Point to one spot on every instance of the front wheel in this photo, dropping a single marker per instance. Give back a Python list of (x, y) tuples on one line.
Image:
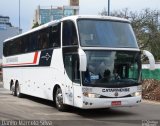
[(17, 90), (59, 100)]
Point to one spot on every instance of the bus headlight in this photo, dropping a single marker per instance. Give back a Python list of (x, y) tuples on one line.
[(135, 94), (91, 95)]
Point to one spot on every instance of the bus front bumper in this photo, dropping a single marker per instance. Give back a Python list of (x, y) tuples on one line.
[(91, 103)]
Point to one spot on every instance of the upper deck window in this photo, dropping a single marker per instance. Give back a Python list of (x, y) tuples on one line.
[(69, 34), (49, 37), (105, 33)]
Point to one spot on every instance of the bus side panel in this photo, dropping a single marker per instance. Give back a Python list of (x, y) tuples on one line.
[(12, 67), (58, 69), (37, 80), (11, 74), (7, 77), (40, 81), (78, 97)]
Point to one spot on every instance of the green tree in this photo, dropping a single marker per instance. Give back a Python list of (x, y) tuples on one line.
[(35, 25)]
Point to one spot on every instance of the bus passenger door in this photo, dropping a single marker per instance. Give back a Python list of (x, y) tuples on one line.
[(72, 75), (68, 94), (71, 62), (77, 89)]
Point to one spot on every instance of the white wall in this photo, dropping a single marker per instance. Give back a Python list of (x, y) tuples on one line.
[(147, 66)]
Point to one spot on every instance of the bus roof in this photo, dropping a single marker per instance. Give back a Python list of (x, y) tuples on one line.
[(74, 17)]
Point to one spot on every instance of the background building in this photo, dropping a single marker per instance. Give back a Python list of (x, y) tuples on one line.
[(49, 13), (6, 31)]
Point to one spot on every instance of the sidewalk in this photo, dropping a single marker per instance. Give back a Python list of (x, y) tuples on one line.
[(1, 84)]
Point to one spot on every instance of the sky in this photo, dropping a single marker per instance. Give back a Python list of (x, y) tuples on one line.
[(11, 8)]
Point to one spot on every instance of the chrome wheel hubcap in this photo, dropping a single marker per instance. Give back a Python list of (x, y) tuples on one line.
[(59, 98)]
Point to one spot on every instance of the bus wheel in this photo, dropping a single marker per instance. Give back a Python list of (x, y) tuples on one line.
[(12, 88), (59, 100), (17, 90)]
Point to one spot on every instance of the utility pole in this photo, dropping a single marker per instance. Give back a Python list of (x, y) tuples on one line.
[(108, 7), (19, 17)]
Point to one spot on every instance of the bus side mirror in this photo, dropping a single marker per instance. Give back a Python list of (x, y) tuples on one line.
[(82, 60), (151, 59)]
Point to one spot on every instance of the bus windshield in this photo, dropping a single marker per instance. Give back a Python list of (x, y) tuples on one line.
[(105, 33), (112, 68)]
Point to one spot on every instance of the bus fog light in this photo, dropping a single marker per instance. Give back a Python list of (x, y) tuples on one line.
[(91, 95), (135, 94)]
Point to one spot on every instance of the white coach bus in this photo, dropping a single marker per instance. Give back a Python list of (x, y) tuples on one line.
[(82, 61)]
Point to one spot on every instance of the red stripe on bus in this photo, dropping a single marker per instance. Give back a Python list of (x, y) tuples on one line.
[(34, 61), (35, 58)]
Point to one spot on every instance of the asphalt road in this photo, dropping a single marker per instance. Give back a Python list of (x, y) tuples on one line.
[(31, 108)]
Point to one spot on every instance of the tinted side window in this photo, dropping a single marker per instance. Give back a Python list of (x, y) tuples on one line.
[(38, 40), (69, 34), (33, 42), (71, 64), (43, 39), (25, 44), (14, 46), (17, 46), (55, 35), (6, 49)]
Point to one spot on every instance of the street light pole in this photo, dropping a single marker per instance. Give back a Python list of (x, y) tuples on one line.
[(19, 18), (108, 7)]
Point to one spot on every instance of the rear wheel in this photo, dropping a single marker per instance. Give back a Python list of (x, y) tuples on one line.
[(17, 90), (59, 100), (12, 88)]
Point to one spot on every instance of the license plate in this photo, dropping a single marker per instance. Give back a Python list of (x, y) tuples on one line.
[(116, 103)]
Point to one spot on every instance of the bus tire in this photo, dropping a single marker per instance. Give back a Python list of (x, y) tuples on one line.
[(17, 90), (12, 88), (59, 100)]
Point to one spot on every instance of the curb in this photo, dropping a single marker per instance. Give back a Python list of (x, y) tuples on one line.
[(150, 102)]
